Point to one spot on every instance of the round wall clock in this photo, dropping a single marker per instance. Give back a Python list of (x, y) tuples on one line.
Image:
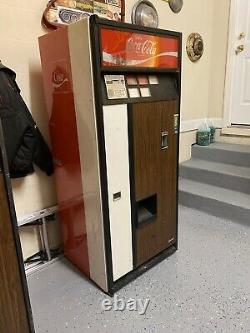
[(195, 47), (145, 14)]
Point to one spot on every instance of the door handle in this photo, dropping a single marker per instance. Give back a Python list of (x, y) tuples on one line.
[(240, 49), (164, 140)]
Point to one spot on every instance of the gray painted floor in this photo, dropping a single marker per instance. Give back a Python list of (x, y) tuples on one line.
[(204, 287)]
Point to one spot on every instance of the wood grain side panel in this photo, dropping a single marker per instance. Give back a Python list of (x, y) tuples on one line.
[(13, 316), (155, 173)]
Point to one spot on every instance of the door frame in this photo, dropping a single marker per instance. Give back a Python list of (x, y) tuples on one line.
[(14, 228), (229, 65)]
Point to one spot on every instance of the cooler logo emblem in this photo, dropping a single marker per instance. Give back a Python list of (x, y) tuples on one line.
[(141, 47), (59, 78)]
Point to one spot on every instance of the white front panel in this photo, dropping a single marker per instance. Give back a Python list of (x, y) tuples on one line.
[(117, 159), (240, 103)]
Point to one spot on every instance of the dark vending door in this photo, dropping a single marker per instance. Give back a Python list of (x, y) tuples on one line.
[(155, 163)]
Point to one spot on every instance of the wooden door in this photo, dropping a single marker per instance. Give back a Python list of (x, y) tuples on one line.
[(155, 163), (15, 311)]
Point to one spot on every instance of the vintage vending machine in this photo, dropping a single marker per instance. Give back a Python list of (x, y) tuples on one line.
[(113, 98)]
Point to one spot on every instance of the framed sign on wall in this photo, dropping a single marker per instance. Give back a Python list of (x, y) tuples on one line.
[(63, 12)]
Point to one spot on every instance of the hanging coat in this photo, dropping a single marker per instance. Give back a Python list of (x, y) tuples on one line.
[(23, 140)]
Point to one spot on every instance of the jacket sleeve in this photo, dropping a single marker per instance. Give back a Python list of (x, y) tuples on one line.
[(24, 142), (16, 133), (22, 163), (42, 156)]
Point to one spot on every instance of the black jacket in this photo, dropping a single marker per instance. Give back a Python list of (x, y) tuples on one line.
[(23, 140)]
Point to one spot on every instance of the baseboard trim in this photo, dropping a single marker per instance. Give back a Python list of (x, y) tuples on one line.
[(236, 131), (193, 125)]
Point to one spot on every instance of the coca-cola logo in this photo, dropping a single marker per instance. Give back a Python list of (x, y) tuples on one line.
[(59, 77), (141, 46)]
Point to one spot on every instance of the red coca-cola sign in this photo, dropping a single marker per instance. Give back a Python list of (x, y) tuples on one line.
[(133, 49)]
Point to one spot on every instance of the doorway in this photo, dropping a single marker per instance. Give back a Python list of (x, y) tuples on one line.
[(237, 94)]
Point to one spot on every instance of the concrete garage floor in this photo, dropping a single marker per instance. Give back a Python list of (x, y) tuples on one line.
[(204, 287)]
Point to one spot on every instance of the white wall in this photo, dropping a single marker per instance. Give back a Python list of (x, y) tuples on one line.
[(219, 42), (20, 26)]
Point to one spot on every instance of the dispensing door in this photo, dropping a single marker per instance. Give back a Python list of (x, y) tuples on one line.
[(155, 163)]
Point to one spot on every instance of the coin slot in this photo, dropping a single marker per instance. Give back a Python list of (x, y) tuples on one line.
[(117, 196)]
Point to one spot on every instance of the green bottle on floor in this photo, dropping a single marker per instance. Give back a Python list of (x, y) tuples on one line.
[(203, 135)]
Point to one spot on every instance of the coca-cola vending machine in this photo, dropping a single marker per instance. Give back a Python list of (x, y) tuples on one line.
[(113, 99)]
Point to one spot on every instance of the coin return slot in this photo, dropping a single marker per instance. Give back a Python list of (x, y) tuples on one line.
[(117, 196)]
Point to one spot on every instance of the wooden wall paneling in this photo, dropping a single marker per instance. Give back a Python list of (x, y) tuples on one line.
[(15, 310)]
